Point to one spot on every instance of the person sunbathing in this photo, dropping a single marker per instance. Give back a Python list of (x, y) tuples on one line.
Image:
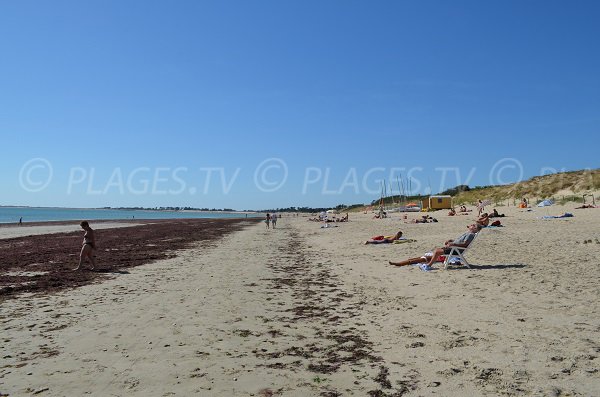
[(343, 218), (463, 241), (495, 214), (423, 219), (380, 215), (565, 215), (384, 239), (483, 220), (585, 206), (452, 212), (524, 203)]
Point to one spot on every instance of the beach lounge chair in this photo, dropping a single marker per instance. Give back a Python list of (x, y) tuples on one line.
[(459, 252)]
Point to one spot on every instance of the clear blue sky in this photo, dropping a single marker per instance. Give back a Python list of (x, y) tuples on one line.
[(261, 104)]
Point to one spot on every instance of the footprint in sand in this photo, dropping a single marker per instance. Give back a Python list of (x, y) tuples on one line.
[(132, 383)]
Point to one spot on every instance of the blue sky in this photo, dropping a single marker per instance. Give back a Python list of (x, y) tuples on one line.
[(264, 104)]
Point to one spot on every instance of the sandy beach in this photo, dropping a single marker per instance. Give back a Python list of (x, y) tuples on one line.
[(302, 310)]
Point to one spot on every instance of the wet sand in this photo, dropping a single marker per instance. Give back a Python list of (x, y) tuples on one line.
[(35, 228)]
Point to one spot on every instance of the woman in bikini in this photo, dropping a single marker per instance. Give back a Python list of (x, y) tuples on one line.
[(384, 239), (89, 245)]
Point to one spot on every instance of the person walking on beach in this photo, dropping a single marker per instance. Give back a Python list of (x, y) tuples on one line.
[(480, 206), (274, 219), (21, 221), (268, 220), (89, 245)]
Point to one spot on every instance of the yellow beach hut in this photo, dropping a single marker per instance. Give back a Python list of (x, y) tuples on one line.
[(438, 202)]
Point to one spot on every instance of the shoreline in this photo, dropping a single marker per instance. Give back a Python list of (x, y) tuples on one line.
[(53, 227), (122, 209), (104, 214), (66, 221)]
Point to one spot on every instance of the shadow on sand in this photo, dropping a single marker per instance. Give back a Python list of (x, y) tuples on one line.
[(492, 267)]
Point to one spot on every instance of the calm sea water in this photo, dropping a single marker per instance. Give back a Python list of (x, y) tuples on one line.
[(31, 214)]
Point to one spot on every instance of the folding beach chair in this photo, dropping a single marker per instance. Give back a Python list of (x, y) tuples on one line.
[(459, 252)]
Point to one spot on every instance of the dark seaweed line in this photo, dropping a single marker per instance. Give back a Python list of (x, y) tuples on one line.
[(318, 300)]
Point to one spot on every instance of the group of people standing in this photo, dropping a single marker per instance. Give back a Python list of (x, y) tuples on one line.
[(271, 220)]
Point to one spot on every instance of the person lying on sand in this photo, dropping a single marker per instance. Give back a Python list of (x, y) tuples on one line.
[(585, 206), (495, 214), (423, 219), (565, 215), (462, 241), (384, 239)]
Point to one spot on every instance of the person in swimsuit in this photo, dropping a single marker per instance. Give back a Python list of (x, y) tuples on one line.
[(480, 207), (463, 241), (495, 214), (483, 220), (384, 239), (88, 247)]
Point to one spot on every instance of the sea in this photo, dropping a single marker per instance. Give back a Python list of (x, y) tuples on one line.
[(43, 214)]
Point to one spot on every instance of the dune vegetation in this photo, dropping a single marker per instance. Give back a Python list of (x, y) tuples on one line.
[(564, 186), (561, 187)]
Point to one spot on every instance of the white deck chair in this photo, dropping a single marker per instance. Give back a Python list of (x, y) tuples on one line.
[(459, 252)]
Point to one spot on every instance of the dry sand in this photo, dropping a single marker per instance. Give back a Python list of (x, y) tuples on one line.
[(306, 311)]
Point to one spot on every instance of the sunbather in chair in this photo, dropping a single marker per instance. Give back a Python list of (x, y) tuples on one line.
[(452, 248), (458, 251)]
